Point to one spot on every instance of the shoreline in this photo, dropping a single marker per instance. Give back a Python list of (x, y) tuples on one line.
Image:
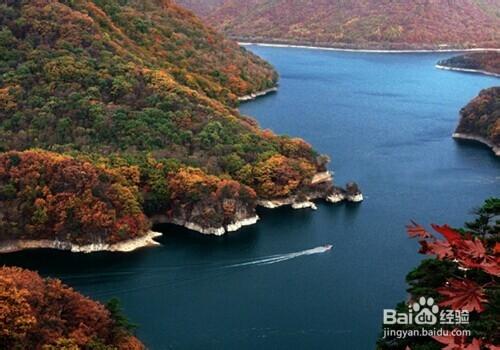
[(216, 231), (126, 246), (460, 136), (257, 94), (332, 48), (467, 70)]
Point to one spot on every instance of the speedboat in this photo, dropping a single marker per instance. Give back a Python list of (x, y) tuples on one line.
[(328, 246)]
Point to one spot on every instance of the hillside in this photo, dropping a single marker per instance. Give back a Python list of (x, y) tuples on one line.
[(370, 24), (480, 119), (140, 97), (201, 7), (47, 196), (481, 62), (42, 313)]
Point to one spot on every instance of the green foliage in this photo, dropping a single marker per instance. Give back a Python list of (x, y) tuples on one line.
[(121, 322), (145, 84), (8, 192), (487, 219)]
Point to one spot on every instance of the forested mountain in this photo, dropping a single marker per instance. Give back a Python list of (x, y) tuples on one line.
[(386, 24), (201, 7), (39, 313), (141, 95)]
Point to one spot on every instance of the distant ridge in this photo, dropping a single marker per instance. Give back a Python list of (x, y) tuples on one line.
[(365, 24)]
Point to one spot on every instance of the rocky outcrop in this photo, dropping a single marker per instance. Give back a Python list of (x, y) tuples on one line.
[(235, 225), (231, 214), (336, 196), (480, 120), (321, 187), (353, 193), (210, 217), (147, 240), (255, 95), (303, 205)]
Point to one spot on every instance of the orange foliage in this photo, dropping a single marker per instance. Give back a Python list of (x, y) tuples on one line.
[(39, 313), (205, 199), (46, 195), (362, 23), (277, 176)]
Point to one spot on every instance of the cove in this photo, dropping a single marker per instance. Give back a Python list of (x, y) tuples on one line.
[(386, 121)]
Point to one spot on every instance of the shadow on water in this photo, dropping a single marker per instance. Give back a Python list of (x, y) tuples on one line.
[(467, 145)]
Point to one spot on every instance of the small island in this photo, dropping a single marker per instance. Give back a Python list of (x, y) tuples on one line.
[(480, 120), (487, 62)]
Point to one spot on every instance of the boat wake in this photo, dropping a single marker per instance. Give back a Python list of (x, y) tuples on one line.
[(206, 268), (282, 257)]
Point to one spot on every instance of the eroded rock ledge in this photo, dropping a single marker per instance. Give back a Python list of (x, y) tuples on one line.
[(322, 188), (217, 231), (203, 217), (254, 95), (194, 217), (125, 246)]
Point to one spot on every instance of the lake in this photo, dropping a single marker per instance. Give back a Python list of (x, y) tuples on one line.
[(386, 120)]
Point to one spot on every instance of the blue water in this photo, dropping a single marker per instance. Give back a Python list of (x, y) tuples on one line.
[(386, 121)]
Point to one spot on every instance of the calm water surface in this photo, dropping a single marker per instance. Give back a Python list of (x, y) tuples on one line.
[(386, 121)]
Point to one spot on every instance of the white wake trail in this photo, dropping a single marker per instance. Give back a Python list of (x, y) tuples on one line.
[(282, 257), (272, 259)]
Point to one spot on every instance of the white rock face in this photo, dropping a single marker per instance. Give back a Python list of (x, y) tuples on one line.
[(335, 198), (239, 224), (494, 148), (355, 198), (322, 177), (302, 205), (218, 231), (468, 70), (256, 94), (125, 246), (271, 204)]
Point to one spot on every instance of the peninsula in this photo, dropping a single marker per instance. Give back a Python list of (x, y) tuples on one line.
[(487, 63), (116, 115), (480, 120)]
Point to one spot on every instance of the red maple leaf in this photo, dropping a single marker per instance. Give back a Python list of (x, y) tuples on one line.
[(474, 248), (441, 249), (450, 234), (496, 249), (470, 253), (458, 343), (491, 265), (463, 295), (415, 230)]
